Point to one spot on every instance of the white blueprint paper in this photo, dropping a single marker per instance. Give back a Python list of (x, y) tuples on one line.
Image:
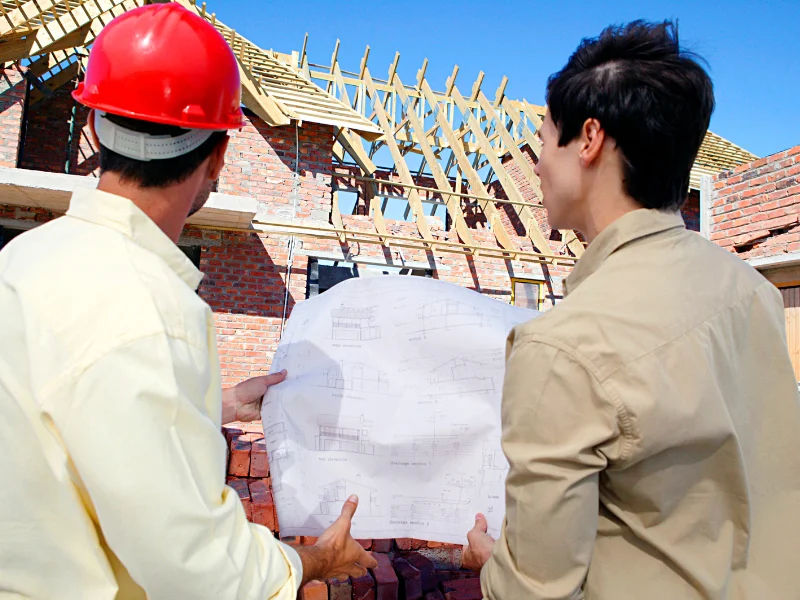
[(393, 394)]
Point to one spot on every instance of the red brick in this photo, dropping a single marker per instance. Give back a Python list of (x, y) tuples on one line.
[(462, 585), (240, 456), (363, 588), (382, 545), (259, 465), (425, 568), (410, 579), (314, 590), (339, 589), (467, 595), (409, 543), (366, 544), (263, 504), (387, 585), (241, 488)]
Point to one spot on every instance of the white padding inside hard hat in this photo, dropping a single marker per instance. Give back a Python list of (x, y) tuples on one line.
[(143, 146)]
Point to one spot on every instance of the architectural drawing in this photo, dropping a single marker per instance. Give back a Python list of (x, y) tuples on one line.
[(356, 377), (452, 504), (357, 324), (420, 447), (333, 496), (338, 433), (446, 314), (276, 441), (460, 376), (398, 401)]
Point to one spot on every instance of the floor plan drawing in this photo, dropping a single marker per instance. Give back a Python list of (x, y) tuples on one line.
[(356, 324), (356, 377), (338, 433), (394, 394)]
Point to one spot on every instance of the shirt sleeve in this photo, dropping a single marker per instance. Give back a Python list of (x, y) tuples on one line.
[(136, 426), (558, 429)]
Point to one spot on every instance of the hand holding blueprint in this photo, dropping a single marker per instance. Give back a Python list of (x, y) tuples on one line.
[(393, 394)]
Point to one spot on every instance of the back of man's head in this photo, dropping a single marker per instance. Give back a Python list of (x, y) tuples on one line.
[(164, 85), (654, 100), (158, 173)]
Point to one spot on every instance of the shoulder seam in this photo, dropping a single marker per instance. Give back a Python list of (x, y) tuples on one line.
[(624, 418)]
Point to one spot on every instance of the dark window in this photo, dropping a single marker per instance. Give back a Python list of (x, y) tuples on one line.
[(323, 274), (193, 252), (7, 234)]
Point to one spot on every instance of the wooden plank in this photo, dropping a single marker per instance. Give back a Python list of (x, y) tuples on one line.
[(400, 163), (50, 36), (24, 13), (55, 82), (356, 150), (535, 234), (453, 203), (15, 46), (489, 209)]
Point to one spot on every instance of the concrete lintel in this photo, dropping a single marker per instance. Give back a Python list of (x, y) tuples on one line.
[(52, 191), (780, 260), (378, 261)]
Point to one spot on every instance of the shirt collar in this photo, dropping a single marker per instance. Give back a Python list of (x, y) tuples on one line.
[(630, 227), (122, 215)]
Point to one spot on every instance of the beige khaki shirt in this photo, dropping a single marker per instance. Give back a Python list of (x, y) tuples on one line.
[(112, 464), (652, 425)]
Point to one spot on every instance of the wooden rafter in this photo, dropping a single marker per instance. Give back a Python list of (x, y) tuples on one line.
[(535, 234), (414, 200), (474, 180), (453, 203)]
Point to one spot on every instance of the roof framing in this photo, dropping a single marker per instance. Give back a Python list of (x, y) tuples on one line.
[(447, 148)]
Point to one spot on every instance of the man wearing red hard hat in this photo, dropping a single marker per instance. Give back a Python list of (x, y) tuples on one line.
[(111, 457)]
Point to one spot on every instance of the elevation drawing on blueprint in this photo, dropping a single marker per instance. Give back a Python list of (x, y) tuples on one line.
[(393, 393)]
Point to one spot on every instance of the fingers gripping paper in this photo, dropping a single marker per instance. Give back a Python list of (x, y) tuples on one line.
[(393, 394)]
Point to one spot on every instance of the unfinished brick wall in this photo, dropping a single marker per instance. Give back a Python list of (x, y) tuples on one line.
[(756, 207), (260, 163), (13, 93), (47, 139)]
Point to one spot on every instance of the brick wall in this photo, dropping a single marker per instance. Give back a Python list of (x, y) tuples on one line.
[(47, 142), (756, 207), (13, 92), (260, 163)]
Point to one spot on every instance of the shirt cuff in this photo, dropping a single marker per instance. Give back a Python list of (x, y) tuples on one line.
[(295, 564)]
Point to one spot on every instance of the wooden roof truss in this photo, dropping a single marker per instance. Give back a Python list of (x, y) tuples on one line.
[(459, 142)]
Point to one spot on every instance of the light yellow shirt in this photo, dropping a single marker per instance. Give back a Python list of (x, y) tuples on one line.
[(652, 425), (111, 458)]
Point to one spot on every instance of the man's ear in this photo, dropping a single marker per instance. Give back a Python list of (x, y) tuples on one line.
[(95, 139), (592, 138), (217, 159)]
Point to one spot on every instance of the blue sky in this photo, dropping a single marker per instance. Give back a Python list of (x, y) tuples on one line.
[(752, 47)]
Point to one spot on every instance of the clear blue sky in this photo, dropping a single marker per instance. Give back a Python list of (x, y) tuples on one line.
[(752, 47)]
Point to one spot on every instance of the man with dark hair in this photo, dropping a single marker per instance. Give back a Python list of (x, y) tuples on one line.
[(111, 455), (651, 420)]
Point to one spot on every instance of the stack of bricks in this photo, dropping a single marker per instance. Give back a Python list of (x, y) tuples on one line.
[(248, 472), (399, 576), (408, 569)]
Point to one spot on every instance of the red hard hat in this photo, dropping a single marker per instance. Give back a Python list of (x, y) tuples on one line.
[(164, 64)]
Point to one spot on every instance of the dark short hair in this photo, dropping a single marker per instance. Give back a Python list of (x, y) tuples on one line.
[(156, 173), (654, 100)]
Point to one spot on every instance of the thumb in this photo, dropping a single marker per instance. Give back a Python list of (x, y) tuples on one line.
[(480, 523), (349, 508), (274, 378)]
